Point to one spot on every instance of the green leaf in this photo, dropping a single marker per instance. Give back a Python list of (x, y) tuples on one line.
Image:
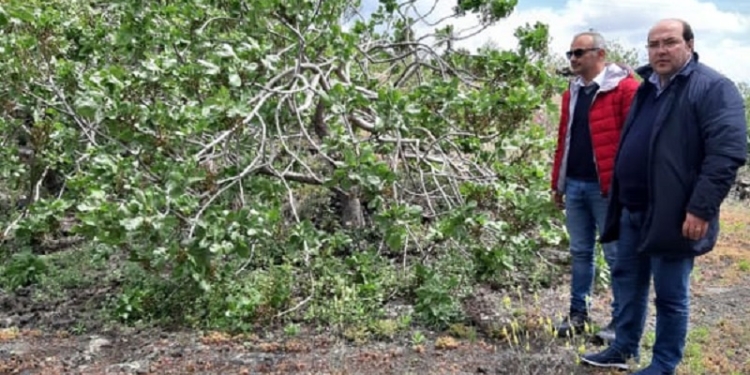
[(225, 50), (211, 68), (3, 17), (132, 224), (22, 14), (235, 80)]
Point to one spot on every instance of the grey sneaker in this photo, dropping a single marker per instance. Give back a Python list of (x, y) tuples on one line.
[(607, 334)]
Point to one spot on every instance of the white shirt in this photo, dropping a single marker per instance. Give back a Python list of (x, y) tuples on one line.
[(598, 80)]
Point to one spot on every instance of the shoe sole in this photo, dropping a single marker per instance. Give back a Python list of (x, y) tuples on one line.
[(619, 366)]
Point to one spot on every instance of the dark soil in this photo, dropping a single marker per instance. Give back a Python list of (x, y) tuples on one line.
[(154, 352), (76, 308)]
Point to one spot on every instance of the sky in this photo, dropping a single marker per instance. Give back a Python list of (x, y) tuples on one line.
[(721, 27)]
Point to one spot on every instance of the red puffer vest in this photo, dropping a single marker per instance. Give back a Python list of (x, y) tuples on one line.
[(606, 119)]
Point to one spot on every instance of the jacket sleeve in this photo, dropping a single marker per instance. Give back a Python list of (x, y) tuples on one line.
[(629, 88), (557, 158), (724, 130)]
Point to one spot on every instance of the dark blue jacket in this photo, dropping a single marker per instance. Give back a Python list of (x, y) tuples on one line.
[(699, 141)]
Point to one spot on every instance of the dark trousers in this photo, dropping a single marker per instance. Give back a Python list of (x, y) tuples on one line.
[(632, 278)]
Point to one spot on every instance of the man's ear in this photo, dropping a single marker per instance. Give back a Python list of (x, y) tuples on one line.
[(691, 44)]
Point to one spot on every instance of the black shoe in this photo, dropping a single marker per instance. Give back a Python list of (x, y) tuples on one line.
[(574, 324), (610, 358), (607, 334)]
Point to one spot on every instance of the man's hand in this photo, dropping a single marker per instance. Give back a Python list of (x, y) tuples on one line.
[(694, 227), (557, 199)]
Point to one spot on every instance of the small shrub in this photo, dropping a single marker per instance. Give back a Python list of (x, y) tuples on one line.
[(23, 269)]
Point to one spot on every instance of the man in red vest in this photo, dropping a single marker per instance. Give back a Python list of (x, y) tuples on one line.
[(594, 109)]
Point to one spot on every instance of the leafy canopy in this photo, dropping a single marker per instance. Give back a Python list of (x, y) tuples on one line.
[(208, 139)]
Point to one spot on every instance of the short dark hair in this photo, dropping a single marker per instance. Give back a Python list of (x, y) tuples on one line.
[(687, 31)]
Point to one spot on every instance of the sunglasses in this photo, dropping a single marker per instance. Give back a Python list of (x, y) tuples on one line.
[(578, 52)]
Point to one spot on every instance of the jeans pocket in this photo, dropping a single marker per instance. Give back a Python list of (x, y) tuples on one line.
[(634, 219)]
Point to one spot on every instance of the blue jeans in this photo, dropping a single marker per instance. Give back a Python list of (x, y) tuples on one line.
[(585, 213), (632, 275)]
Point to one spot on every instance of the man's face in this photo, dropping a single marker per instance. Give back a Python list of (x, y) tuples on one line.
[(583, 57), (667, 50)]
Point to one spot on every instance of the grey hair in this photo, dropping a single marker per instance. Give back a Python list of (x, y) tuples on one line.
[(598, 39)]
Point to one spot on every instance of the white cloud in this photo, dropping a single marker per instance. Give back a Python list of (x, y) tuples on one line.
[(722, 37)]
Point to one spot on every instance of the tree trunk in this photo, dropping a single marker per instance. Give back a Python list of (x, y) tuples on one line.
[(351, 211), (349, 204)]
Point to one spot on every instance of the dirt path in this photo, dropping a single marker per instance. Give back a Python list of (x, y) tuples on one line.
[(717, 344)]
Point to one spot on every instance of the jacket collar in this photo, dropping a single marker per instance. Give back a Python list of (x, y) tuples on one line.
[(608, 79)]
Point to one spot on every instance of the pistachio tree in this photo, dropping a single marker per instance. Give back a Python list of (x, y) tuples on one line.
[(319, 153)]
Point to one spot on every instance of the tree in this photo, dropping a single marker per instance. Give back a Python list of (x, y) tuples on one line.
[(209, 139), (618, 53)]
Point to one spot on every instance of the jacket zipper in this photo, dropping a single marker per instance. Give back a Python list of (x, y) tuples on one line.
[(591, 137), (661, 116)]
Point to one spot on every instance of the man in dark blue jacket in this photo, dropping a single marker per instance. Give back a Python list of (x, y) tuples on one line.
[(683, 141)]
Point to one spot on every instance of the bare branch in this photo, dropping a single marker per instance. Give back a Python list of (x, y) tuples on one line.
[(205, 24), (290, 176), (362, 124)]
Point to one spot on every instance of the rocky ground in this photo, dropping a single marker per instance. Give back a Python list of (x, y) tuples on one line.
[(63, 338)]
